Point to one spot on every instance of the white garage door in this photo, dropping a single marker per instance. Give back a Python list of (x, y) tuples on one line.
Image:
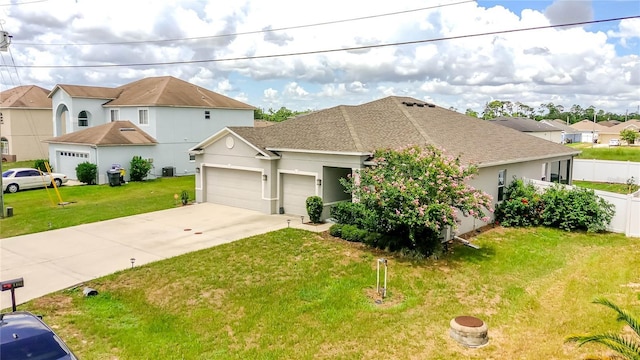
[(68, 160), (237, 188), (295, 191)]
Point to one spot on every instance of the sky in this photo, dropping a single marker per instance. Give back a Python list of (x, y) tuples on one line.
[(306, 55)]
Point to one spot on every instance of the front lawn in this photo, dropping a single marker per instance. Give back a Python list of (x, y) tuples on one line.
[(619, 153), (293, 294), (38, 210)]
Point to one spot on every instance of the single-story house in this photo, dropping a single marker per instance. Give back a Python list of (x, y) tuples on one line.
[(613, 132), (274, 169), (531, 127), (25, 120), (174, 115), (590, 130), (569, 134)]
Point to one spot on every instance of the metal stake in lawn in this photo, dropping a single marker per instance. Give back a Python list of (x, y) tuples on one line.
[(382, 291)]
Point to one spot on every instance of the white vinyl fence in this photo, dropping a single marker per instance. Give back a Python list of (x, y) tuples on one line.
[(627, 217), (606, 170)]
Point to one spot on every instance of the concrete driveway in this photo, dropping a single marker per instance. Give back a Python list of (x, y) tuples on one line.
[(58, 259)]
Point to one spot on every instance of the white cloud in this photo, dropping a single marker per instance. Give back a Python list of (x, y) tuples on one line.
[(568, 65)]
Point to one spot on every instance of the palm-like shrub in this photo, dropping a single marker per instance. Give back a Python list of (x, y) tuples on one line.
[(628, 347)]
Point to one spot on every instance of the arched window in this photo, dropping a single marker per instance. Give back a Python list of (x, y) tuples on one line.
[(83, 118)]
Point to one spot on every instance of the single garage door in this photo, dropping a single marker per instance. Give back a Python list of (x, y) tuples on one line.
[(295, 191), (68, 160), (237, 188)]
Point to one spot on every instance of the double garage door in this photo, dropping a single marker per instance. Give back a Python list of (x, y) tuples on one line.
[(237, 188), (243, 189)]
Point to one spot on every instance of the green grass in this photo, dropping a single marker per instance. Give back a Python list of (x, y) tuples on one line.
[(611, 187), (38, 210), (293, 294), (619, 153)]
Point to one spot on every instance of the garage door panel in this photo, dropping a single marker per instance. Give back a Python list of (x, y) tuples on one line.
[(295, 191), (237, 188)]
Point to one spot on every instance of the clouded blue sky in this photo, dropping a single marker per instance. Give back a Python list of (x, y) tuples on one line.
[(237, 47)]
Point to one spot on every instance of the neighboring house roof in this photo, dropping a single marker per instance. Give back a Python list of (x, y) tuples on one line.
[(588, 125), (630, 124), (155, 91), (609, 123), (170, 91), (524, 124), (397, 122), (115, 133), (87, 92), (27, 96), (561, 125)]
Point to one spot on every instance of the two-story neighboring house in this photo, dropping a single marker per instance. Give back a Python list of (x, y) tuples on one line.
[(158, 118), (25, 120)]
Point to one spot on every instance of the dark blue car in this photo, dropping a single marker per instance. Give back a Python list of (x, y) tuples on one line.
[(24, 336)]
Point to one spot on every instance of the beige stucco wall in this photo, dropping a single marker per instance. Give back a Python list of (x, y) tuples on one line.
[(25, 129)]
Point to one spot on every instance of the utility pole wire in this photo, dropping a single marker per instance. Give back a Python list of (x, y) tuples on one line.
[(324, 51), (266, 30)]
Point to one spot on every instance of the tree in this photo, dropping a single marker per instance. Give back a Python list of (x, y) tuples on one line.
[(629, 135), (414, 193), (279, 115), (471, 112), (627, 346)]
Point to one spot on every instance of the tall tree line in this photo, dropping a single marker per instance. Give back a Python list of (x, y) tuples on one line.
[(551, 111)]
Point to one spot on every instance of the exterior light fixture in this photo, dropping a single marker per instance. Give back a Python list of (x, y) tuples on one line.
[(319, 182), (197, 170), (264, 177)]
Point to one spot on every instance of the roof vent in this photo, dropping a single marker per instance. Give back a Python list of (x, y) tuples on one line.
[(431, 105), (127, 129)]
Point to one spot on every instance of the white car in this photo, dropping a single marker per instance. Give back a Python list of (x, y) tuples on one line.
[(17, 179)]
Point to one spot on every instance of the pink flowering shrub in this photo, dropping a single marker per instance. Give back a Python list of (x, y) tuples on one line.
[(414, 193)]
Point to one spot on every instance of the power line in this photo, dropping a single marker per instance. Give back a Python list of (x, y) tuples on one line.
[(255, 31), (327, 50)]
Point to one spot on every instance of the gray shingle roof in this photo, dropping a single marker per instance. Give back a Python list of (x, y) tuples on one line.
[(524, 124), (391, 123), (114, 133)]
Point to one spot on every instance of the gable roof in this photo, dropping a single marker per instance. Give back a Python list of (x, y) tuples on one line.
[(588, 125), (155, 91), (629, 124), (396, 122), (561, 125), (115, 133), (27, 96), (87, 92), (524, 124), (170, 91)]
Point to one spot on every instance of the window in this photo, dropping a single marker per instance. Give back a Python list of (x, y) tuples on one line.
[(143, 116), (83, 118), (502, 175), (4, 146), (207, 114), (192, 157), (115, 115)]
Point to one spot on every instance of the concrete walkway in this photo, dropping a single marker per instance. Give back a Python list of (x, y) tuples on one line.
[(55, 260)]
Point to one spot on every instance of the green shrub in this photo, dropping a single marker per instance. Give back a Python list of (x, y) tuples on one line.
[(184, 197), (40, 164), (314, 208), (336, 230), (351, 213), (522, 206), (87, 173), (353, 234), (576, 209), (139, 168), (564, 208)]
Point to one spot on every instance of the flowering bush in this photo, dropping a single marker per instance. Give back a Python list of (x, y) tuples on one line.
[(412, 195), (567, 209)]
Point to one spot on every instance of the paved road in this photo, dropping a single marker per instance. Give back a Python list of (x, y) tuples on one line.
[(58, 259)]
